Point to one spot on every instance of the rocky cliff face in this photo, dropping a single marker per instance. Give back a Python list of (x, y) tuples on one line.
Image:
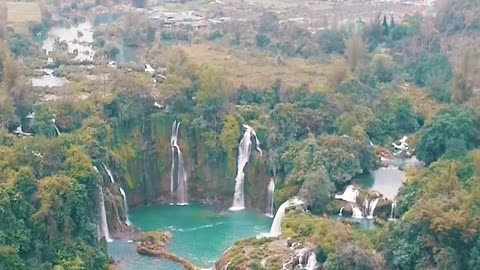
[(141, 157)]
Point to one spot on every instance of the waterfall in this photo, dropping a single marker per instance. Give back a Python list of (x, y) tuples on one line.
[(55, 127), (110, 175), (270, 198), (125, 206), (312, 261), (365, 207), (173, 139), (103, 217), (372, 206), (124, 195), (350, 194), (340, 213), (392, 212), (300, 261), (276, 229), (244, 149), (181, 183), (356, 212)]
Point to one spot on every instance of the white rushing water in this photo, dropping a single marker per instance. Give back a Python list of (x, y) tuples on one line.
[(20, 132), (356, 212), (312, 261), (173, 139), (244, 150), (125, 206), (55, 127), (340, 213), (276, 229), (79, 40), (103, 217), (371, 208), (110, 175), (392, 212), (178, 171), (350, 194), (124, 195), (270, 198), (365, 207)]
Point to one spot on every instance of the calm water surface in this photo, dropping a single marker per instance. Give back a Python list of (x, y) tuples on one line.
[(200, 235)]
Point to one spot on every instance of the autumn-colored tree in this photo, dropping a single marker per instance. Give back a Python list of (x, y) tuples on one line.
[(355, 51)]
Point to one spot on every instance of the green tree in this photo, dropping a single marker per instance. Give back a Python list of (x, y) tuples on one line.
[(331, 42), (10, 259), (316, 190), (355, 51), (404, 117), (262, 41), (431, 65), (456, 122), (229, 136), (383, 67)]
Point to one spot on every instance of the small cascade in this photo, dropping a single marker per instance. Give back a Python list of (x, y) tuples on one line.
[(99, 233), (125, 206), (181, 175), (300, 261), (392, 212), (276, 229), (270, 198), (103, 217), (173, 141), (244, 149), (20, 132), (312, 261), (55, 127), (350, 194), (372, 206), (124, 195), (340, 213), (110, 175), (365, 207), (356, 212)]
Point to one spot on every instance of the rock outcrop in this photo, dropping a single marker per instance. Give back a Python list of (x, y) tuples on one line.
[(154, 244)]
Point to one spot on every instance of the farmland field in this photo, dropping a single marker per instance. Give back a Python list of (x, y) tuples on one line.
[(19, 12)]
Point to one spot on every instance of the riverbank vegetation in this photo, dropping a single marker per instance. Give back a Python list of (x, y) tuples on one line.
[(317, 102)]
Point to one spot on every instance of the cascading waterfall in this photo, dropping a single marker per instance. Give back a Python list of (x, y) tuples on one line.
[(350, 194), (55, 127), (372, 206), (356, 212), (125, 206), (392, 212), (244, 149), (270, 198), (172, 171), (181, 183), (300, 261), (124, 195), (340, 213), (110, 175), (276, 229), (312, 261), (103, 217), (365, 207)]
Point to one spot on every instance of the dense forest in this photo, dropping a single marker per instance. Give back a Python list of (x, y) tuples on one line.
[(379, 81)]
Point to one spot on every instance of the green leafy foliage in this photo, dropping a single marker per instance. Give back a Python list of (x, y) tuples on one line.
[(440, 224), (454, 123)]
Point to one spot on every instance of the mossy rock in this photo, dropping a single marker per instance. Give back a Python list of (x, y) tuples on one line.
[(156, 239)]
